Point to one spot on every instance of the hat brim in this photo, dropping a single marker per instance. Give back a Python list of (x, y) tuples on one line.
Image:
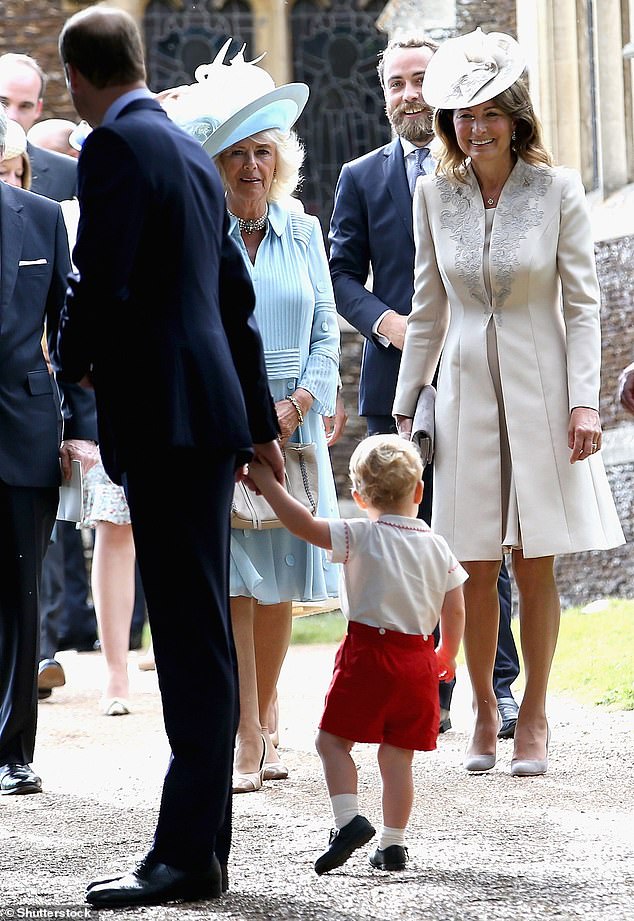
[(278, 109), (448, 84)]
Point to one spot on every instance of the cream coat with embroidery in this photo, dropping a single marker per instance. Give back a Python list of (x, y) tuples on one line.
[(545, 306)]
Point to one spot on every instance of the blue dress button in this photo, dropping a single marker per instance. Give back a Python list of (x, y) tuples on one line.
[(289, 559), (324, 326), (290, 387)]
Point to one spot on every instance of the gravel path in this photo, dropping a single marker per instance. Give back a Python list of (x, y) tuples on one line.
[(482, 848)]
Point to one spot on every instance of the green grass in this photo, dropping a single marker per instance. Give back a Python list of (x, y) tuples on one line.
[(594, 661), (595, 655), (318, 628)]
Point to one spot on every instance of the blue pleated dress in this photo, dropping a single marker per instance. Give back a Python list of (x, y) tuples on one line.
[(295, 311)]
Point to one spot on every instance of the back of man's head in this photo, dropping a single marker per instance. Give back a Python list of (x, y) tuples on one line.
[(53, 134), (104, 45)]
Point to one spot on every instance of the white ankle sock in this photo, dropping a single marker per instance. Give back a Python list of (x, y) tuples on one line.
[(390, 836), (345, 806)]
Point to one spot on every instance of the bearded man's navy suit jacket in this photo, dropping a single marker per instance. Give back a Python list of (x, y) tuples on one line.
[(161, 317), (372, 227)]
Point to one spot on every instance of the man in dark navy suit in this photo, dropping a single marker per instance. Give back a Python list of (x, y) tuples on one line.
[(160, 317), (62, 599), (34, 263), (371, 231)]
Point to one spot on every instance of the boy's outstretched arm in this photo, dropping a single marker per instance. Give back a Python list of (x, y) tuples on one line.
[(451, 630), (291, 513)]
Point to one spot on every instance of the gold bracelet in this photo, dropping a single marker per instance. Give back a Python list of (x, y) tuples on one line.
[(298, 409)]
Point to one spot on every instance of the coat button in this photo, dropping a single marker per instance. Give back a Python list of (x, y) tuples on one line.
[(324, 326), (289, 559), (382, 631)]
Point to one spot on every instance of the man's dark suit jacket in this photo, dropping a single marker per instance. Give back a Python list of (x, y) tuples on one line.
[(53, 175), (371, 226), (34, 265), (175, 354)]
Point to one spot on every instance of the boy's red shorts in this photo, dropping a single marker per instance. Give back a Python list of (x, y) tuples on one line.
[(384, 689)]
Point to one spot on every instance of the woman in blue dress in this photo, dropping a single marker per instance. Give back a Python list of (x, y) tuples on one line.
[(259, 158)]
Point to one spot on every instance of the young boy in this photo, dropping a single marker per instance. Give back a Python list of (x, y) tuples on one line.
[(399, 579)]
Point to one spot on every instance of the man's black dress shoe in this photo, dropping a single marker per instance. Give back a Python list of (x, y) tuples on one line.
[(445, 721), (393, 857), (343, 842), (508, 710), (50, 674), (43, 693), (19, 778), (153, 883)]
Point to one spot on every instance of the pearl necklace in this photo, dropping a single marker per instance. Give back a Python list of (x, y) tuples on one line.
[(251, 225)]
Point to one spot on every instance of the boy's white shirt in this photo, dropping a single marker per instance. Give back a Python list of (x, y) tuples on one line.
[(396, 572)]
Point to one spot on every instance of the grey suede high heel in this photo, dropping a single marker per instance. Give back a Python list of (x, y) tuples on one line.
[(479, 764), (531, 767)]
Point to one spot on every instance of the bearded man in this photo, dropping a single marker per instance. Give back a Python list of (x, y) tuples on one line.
[(371, 235)]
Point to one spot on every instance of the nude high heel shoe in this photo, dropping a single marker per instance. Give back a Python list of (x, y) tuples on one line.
[(250, 783), (531, 767), (478, 764)]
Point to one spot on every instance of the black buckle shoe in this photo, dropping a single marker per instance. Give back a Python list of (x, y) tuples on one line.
[(508, 710), (343, 842), (394, 857)]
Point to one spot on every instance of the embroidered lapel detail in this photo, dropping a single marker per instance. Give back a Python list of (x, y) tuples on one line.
[(464, 219), (519, 210)]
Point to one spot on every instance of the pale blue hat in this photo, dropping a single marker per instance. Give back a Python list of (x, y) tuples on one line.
[(231, 102)]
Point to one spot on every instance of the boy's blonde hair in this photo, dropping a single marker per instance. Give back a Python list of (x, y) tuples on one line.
[(385, 469)]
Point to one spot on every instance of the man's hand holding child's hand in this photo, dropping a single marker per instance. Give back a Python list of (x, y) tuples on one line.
[(261, 475)]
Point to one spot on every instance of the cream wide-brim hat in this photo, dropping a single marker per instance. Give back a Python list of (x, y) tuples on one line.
[(15, 141), (231, 102), (471, 69)]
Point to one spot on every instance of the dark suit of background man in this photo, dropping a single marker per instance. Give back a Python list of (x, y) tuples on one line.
[(160, 315), (34, 263), (371, 230)]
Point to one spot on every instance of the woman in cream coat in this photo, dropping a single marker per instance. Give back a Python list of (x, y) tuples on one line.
[(506, 289)]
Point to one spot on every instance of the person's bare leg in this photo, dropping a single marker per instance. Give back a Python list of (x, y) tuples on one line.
[(272, 633), (539, 627), (395, 765), (249, 737), (273, 720), (340, 771), (482, 608), (112, 582)]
